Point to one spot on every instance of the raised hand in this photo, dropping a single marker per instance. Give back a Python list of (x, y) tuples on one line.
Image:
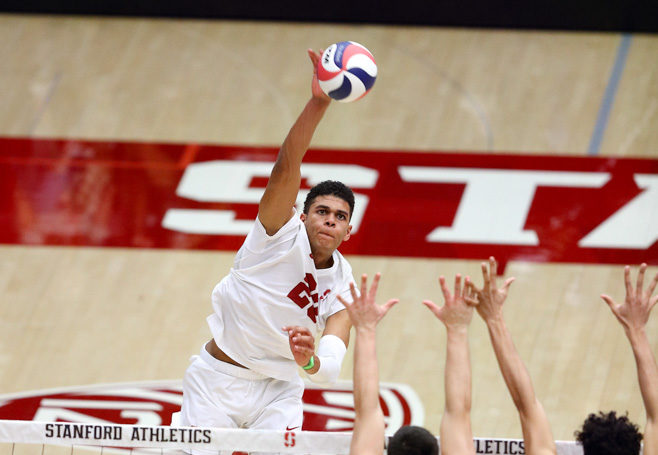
[(456, 314), (490, 298), (633, 314), (302, 344), (315, 85), (457, 311), (363, 310), (368, 436)]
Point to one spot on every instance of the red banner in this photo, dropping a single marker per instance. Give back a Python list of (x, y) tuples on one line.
[(439, 205)]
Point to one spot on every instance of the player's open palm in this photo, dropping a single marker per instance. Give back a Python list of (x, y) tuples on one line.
[(490, 298), (363, 310), (634, 312), (457, 311)]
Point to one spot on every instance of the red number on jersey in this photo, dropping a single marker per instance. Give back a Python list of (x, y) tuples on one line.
[(304, 293)]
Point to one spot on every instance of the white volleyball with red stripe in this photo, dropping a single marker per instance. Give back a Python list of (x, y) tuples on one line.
[(346, 71)]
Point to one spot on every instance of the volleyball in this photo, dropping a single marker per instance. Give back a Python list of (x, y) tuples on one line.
[(346, 71)]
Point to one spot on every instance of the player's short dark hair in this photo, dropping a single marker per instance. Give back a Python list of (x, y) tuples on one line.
[(609, 434), (330, 188), (412, 440)]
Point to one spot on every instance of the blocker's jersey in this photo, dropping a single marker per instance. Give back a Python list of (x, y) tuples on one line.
[(274, 283)]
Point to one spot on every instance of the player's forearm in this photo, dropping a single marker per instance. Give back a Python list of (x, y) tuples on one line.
[(283, 185), (511, 366), (299, 137), (328, 360), (458, 372), (647, 371), (366, 374)]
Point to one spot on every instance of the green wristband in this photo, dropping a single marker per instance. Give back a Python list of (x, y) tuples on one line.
[(310, 364)]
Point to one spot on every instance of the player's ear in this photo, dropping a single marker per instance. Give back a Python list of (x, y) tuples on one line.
[(302, 217), (348, 235)]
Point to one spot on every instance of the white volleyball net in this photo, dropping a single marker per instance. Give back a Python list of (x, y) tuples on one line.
[(59, 438)]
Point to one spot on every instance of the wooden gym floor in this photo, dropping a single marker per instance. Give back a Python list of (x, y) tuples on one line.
[(76, 316)]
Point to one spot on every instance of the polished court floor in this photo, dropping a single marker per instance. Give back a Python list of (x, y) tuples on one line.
[(84, 315)]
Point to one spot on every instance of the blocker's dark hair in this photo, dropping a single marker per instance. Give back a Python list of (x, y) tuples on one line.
[(330, 188), (412, 440), (609, 434)]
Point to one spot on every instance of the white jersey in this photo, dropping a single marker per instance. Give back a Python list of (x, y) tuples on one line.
[(274, 283)]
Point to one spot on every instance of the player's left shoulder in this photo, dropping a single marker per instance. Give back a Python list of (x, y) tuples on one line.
[(342, 264)]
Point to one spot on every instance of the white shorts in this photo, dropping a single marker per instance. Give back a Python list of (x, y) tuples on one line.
[(218, 394)]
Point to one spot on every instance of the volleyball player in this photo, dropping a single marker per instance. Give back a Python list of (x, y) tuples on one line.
[(280, 292), (368, 435), (456, 435), (608, 433), (537, 434), (602, 433), (456, 314)]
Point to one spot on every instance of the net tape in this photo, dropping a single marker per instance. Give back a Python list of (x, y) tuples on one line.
[(215, 439)]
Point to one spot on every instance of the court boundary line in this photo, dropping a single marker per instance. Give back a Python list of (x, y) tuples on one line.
[(609, 95)]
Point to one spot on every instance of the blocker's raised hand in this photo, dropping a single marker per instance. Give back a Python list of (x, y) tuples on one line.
[(457, 310), (490, 298), (363, 310), (633, 314)]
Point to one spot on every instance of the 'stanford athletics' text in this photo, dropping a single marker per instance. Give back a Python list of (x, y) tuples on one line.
[(114, 433)]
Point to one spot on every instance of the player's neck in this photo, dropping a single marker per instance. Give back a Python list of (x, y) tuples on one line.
[(323, 260)]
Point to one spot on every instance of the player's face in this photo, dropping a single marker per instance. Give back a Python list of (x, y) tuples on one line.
[(327, 223)]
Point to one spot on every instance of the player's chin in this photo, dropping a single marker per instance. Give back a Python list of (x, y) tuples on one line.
[(324, 239), (326, 243)]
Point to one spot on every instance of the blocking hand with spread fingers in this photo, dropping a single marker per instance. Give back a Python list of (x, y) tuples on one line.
[(633, 315), (365, 313), (457, 311), (456, 314), (536, 428), (490, 298)]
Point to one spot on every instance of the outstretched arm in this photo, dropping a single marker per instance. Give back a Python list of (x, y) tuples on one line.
[(368, 436), (633, 315), (534, 423), (276, 205), (456, 315)]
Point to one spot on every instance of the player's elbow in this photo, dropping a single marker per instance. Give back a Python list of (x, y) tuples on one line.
[(462, 408), (368, 408), (285, 169)]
